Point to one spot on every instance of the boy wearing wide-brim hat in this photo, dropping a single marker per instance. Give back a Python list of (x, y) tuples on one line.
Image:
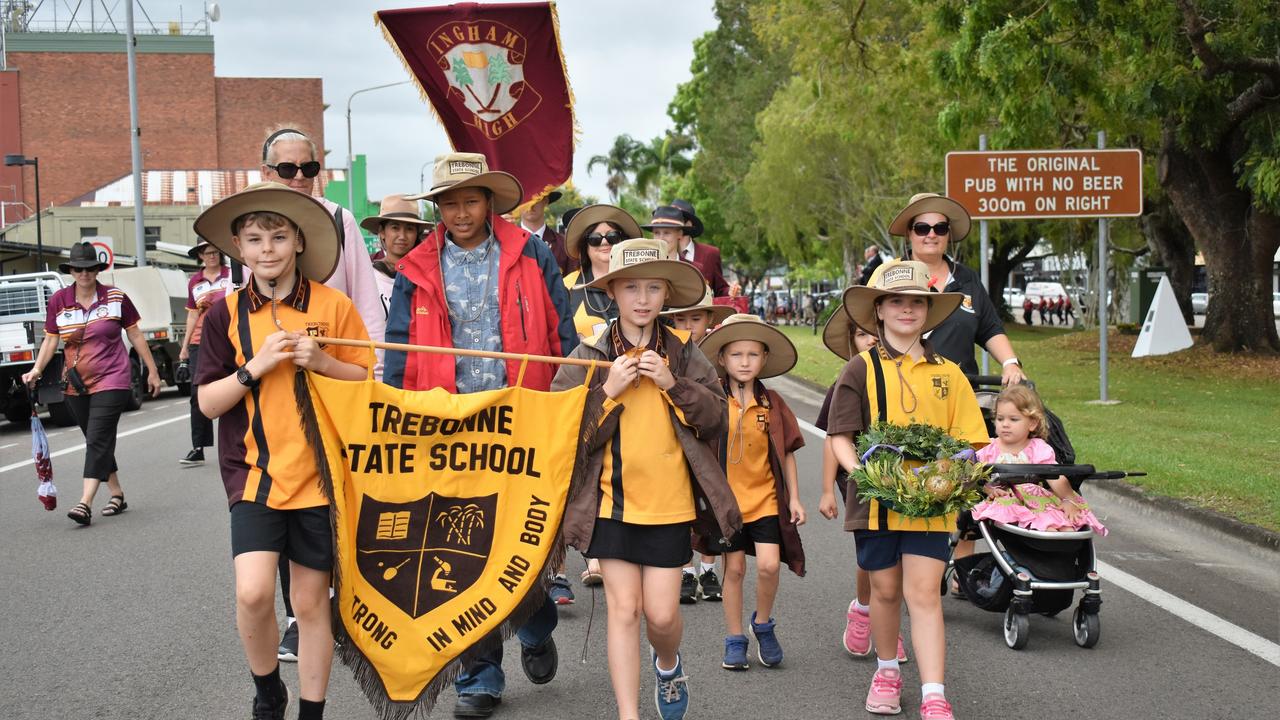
[(759, 455), (652, 472), (677, 225), (252, 344), (902, 381)]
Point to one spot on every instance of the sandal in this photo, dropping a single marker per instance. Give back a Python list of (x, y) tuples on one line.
[(81, 513), (115, 506), (591, 578)]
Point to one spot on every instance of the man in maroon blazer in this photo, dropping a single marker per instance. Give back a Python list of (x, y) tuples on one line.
[(534, 220), (678, 226)]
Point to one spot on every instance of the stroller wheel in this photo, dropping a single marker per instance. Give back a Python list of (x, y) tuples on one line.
[(1087, 627), (1017, 629)]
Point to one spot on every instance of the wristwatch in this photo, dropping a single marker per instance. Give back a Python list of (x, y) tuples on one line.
[(246, 378)]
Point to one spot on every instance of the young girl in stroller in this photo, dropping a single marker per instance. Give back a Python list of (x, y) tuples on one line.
[(1020, 433)]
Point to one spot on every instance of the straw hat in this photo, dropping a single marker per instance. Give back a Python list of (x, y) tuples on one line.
[(718, 312), (588, 217), (646, 258), (454, 171), (922, 203), (83, 255), (319, 257), (837, 334), (899, 277), (744, 326), (394, 208)]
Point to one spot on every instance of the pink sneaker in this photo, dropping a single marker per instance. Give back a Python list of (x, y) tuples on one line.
[(885, 695), (857, 632), (902, 651), (933, 707)]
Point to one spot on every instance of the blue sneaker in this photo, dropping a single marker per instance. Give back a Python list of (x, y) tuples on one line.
[(735, 653), (767, 647), (671, 691), (561, 593)]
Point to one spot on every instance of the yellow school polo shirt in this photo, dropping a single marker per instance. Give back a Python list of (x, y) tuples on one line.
[(747, 461)]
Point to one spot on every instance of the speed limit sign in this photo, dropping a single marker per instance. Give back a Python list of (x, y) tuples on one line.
[(103, 246)]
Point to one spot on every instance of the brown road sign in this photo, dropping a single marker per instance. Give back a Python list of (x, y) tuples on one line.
[(1027, 184)]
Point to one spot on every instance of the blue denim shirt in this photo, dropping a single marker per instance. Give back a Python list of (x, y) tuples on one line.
[(471, 291)]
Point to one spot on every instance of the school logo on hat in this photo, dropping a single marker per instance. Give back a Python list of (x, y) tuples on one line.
[(421, 554), (483, 63)]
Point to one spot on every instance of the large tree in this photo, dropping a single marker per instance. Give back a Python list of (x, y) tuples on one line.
[(1196, 85)]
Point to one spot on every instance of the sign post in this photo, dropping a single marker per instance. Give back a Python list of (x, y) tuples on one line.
[(1051, 184), (984, 266)]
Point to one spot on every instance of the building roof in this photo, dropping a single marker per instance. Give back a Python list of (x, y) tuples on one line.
[(185, 187)]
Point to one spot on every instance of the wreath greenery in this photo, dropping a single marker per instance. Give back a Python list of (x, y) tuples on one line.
[(947, 483)]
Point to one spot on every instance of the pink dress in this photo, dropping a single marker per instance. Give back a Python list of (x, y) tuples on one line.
[(1033, 506)]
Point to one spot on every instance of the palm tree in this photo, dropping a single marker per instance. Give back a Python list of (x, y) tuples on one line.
[(619, 161), (662, 156)]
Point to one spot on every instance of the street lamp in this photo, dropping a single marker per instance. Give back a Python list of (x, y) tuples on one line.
[(16, 160), (351, 179), (422, 176)]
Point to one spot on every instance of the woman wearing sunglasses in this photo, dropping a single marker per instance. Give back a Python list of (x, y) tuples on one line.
[(592, 231), (930, 223)]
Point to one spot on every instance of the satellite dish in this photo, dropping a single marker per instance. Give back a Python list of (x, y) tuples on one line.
[(214, 12)]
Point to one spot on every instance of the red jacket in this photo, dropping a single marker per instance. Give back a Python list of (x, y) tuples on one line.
[(531, 296)]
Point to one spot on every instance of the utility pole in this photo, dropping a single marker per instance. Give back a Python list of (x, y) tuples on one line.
[(135, 138)]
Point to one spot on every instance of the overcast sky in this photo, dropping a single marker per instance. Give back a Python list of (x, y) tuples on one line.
[(625, 59)]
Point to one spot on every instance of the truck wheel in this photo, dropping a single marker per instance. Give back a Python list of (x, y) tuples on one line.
[(60, 414), (137, 386), (17, 411)]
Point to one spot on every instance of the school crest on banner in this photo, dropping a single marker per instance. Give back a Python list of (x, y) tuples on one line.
[(446, 511)]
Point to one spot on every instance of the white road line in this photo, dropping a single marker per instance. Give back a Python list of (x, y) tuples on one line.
[(78, 448), (1176, 606), (6, 447), (1199, 617)]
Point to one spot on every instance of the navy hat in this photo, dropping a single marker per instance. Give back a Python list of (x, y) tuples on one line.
[(566, 218), (687, 208), (668, 216)]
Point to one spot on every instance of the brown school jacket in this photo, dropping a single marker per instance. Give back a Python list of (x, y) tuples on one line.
[(698, 393), (784, 437)]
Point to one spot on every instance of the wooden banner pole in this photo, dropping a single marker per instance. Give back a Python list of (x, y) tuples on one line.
[(462, 352)]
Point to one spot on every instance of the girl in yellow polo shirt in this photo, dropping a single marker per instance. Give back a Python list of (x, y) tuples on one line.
[(902, 381)]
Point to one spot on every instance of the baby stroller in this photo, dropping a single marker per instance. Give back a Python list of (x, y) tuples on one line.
[(1029, 571)]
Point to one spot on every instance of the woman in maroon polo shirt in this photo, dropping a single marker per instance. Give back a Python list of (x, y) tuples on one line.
[(207, 286), (88, 317)]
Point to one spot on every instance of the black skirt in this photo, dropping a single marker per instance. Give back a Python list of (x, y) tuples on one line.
[(665, 546)]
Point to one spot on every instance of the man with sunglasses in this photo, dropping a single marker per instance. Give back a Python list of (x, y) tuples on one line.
[(534, 221), (677, 225)]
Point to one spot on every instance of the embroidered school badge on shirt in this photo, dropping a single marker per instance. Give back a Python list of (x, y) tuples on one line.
[(967, 304), (941, 386)]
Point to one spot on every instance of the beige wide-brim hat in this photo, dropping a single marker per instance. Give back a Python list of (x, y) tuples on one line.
[(454, 171), (837, 334), (718, 312), (922, 203), (899, 277), (645, 258), (744, 326), (592, 215), (319, 257), (394, 208)]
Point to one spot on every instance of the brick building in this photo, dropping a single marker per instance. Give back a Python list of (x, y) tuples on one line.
[(64, 99)]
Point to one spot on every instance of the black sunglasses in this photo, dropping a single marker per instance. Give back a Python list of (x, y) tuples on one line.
[(922, 229), (288, 170), (613, 237)]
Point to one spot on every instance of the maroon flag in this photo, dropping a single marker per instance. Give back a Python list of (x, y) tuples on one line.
[(495, 78)]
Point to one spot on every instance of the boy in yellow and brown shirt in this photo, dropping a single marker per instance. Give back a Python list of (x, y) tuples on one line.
[(253, 343)]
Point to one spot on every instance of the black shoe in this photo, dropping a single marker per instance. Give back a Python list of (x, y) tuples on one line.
[(688, 588), (195, 457), (478, 705), (540, 663), (710, 585), (288, 650), (263, 710)]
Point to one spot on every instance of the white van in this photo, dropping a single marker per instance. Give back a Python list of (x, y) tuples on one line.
[(1047, 290)]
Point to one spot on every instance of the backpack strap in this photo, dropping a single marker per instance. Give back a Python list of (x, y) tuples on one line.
[(877, 370)]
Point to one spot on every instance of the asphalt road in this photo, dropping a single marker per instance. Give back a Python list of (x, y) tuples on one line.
[(133, 616)]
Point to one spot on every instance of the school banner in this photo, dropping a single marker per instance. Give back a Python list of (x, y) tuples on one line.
[(495, 77), (446, 510)]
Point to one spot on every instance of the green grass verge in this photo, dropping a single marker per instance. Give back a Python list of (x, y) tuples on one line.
[(1203, 436)]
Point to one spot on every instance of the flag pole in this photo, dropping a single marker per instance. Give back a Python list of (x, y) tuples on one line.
[(405, 347)]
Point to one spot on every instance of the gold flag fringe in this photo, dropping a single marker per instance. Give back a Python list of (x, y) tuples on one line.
[(365, 674), (422, 91)]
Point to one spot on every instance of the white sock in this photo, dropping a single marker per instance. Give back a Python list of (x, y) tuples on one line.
[(708, 567), (289, 621), (860, 607), (666, 672), (928, 689), (887, 664), (689, 570)]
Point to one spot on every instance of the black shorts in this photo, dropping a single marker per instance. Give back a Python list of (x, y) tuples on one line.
[(664, 546), (882, 549), (764, 530), (303, 535)]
